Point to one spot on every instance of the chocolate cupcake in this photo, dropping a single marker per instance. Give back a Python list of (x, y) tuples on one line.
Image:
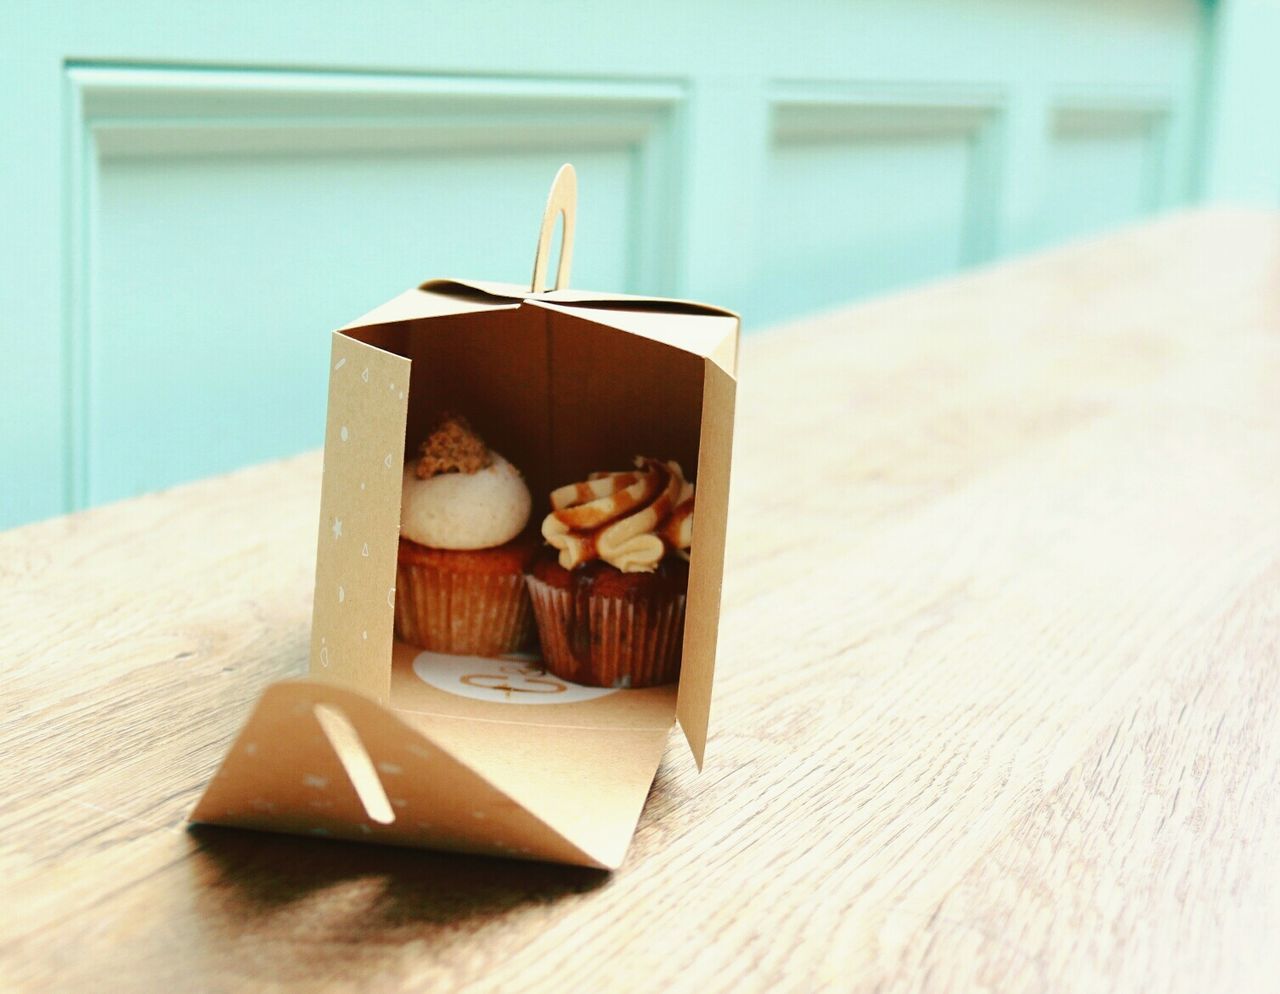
[(460, 577), (609, 592)]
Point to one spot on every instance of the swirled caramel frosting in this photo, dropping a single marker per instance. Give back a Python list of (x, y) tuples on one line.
[(629, 519)]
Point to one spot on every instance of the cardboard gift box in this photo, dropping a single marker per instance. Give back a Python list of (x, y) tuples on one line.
[(384, 742)]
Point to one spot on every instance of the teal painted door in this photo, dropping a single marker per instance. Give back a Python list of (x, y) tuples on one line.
[(196, 194)]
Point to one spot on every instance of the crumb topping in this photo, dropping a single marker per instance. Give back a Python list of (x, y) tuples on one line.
[(453, 447)]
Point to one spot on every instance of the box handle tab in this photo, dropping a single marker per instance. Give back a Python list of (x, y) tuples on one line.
[(563, 200)]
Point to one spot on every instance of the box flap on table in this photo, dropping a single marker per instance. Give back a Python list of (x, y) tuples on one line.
[(319, 760), (706, 566), (714, 335), (358, 541)]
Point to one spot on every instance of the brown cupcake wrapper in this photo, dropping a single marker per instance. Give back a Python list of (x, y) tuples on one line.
[(465, 614), (609, 641)]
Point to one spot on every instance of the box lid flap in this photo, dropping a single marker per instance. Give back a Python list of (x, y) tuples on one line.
[(682, 323), (712, 335), (358, 541), (418, 303), (498, 293)]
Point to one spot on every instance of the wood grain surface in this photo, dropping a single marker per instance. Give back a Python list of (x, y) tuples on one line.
[(998, 704)]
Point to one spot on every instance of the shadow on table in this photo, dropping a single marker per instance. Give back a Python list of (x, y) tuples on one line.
[(366, 890)]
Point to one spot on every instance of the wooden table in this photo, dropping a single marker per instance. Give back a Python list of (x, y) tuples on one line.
[(998, 703)]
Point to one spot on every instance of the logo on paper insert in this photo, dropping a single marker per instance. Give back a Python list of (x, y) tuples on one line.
[(510, 680)]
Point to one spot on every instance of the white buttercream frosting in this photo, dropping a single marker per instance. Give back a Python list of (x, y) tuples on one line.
[(464, 510)]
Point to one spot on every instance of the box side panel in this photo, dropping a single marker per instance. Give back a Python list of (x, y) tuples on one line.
[(701, 334), (615, 396), (490, 367), (359, 533), (725, 354), (706, 566)]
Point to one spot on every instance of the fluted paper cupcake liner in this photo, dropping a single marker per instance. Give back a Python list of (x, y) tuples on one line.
[(466, 614), (608, 641)]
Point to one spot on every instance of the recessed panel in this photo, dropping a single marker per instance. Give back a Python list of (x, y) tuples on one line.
[(1102, 172), (217, 277), (850, 215)]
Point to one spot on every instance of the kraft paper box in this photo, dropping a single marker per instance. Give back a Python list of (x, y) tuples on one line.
[(384, 742)]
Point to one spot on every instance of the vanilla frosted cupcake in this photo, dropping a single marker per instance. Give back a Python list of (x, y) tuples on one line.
[(460, 579), (609, 592)]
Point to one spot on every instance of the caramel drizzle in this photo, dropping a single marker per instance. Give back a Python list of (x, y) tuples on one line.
[(628, 518)]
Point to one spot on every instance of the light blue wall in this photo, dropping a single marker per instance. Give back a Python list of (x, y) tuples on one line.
[(1241, 160), (195, 194)]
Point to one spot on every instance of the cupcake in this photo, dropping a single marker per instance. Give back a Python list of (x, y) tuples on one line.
[(609, 590), (460, 578)]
